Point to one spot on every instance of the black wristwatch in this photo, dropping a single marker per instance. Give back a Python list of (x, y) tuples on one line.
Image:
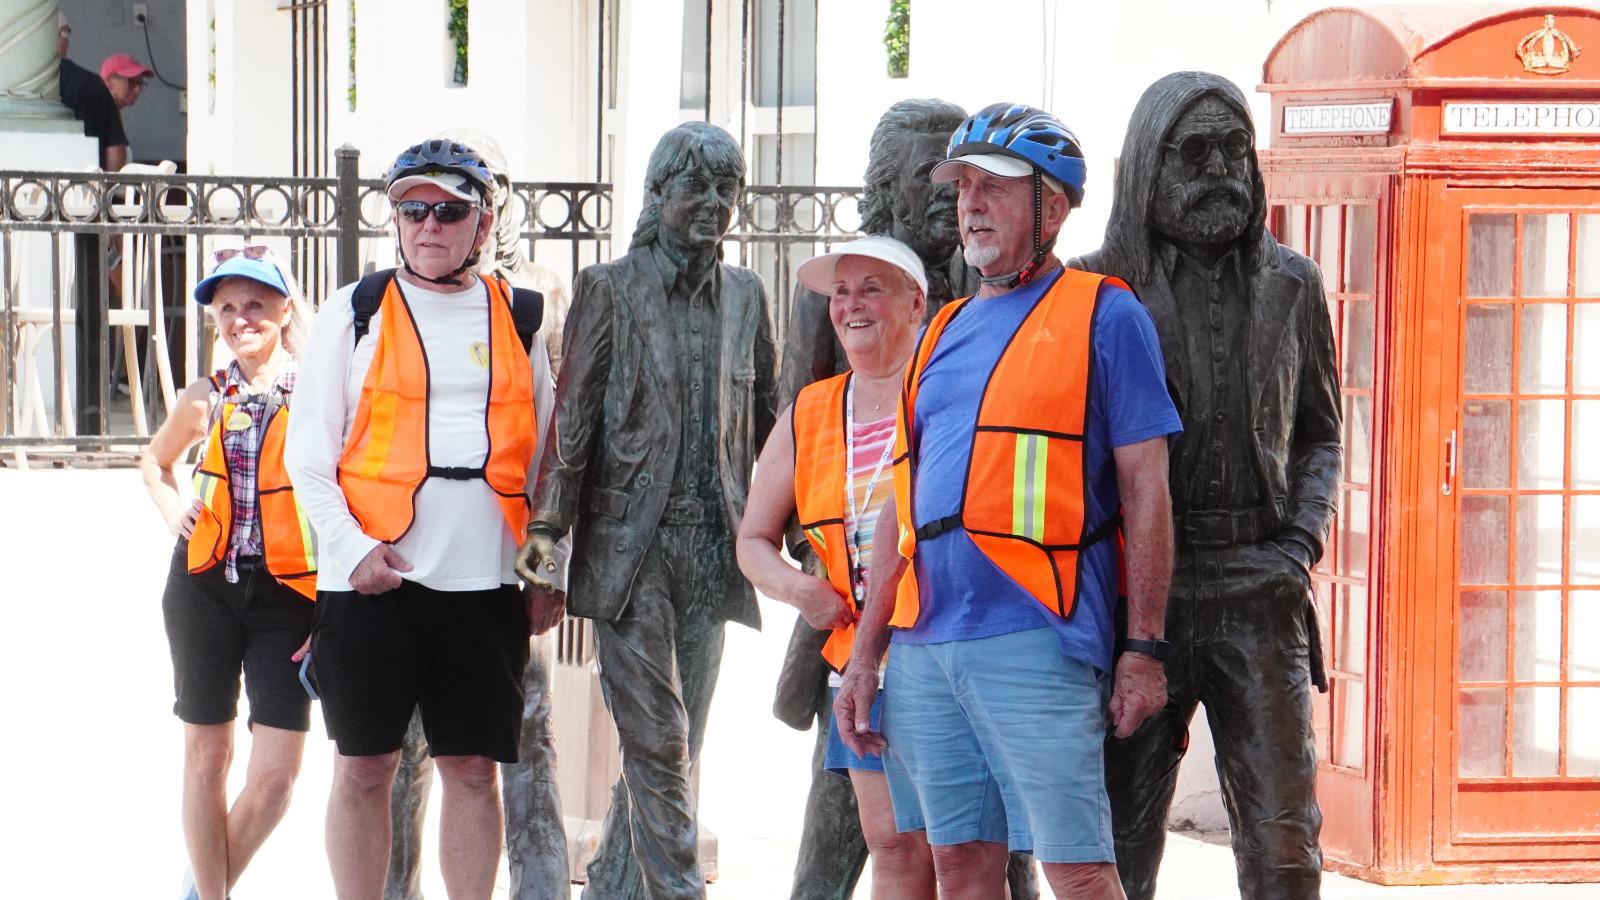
[(1155, 648)]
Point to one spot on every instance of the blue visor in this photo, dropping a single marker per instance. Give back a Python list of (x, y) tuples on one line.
[(262, 270)]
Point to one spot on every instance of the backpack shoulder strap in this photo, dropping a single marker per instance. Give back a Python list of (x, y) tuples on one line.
[(367, 298), (527, 311)]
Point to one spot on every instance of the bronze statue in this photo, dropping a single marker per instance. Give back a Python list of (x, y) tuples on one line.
[(1245, 331), (667, 387), (898, 200), (536, 840)]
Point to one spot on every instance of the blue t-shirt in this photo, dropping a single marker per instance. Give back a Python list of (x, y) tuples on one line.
[(964, 596)]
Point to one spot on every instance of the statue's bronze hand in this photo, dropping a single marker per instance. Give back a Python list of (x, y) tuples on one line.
[(536, 561)]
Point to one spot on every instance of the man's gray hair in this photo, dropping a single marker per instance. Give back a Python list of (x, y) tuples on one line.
[(688, 145), (900, 122)]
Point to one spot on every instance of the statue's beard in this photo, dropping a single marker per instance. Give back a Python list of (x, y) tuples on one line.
[(1207, 210)]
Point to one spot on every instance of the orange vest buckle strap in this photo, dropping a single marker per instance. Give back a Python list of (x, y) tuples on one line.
[(385, 459), (287, 542), (1023, 500)]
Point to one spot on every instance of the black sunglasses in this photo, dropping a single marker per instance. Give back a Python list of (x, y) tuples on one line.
[(1195, 149), (448, 212)]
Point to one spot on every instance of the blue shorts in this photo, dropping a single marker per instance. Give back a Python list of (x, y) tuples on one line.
[(840, 759), (999, 739)]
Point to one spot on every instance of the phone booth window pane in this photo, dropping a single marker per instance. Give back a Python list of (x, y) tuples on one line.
[(1361, 249), (1490, 252), (1536, 732), (1544, 255), (1586, 452), (1352, 647), (1586, 349), (1481, 641), (1588, 280), (1539, 539), (1542, 445), (1325, 244), (1358, 350), (1488, 353), (1583, 731), (1485, 444), (1294, 229), (1482, 733), (1358, 439), (1583, 636), (1585, 540), (1538, 653), (1484, 522), (1542, 367), (1351, 703), (1355, 516)]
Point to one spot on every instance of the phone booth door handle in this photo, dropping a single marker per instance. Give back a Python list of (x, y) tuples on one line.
[(1449, 464)]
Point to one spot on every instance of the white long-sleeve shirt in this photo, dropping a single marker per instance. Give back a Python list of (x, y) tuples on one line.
[(458, 540)]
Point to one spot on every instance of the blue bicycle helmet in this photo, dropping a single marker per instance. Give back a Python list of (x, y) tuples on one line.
[(441, 157), (1024, 133)]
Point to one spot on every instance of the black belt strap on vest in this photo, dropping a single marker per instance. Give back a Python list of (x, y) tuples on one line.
[(938, 526), (457, 473)]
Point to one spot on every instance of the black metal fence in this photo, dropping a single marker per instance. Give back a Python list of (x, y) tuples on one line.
[(96, 271)]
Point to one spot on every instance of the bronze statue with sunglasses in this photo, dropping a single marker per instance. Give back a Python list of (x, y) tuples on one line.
[(1249, 352)]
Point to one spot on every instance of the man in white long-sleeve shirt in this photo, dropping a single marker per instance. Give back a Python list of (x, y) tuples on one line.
[(412, 456)]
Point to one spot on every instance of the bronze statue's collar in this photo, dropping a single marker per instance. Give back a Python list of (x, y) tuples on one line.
[(684, 277)]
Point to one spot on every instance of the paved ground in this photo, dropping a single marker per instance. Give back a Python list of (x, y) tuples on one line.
[(92, 751)]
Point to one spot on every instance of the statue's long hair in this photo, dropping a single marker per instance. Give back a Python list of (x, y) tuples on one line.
[(901, 122), (505, 246), (690, 144), (1129, 234)]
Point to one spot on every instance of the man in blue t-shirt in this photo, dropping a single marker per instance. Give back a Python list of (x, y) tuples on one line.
[(1004, 671)]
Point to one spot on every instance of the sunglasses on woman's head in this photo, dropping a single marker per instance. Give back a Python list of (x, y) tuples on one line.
[(1195, 149), (253, 251), (448, 212)]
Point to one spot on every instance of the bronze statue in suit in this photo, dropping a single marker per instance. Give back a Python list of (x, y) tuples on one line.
[(667, 389), (1248, 345)]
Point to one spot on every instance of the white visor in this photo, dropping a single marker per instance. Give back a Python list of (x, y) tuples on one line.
[(995, 164), (817, 273), (455, 185)]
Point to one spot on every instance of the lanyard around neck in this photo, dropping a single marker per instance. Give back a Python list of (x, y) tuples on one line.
[(850, 475)]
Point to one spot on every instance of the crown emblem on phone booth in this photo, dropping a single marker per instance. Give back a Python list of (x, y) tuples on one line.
[(1548, 51)]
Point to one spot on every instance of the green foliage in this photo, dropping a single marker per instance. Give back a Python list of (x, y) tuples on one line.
[(457, 30), (350, 92), (897, 38)]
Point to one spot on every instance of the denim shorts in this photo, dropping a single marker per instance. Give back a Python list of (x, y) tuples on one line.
[(999, 739), (840, 759)]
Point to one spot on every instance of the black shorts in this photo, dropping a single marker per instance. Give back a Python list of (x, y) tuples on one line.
[(456, 655), (216, 628)]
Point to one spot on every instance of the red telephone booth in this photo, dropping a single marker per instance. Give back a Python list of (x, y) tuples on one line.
[(1442, 165)]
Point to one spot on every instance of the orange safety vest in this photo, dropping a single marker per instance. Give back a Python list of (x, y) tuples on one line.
[(819, 494), (385, 459), (287, 542), (1023, 500)]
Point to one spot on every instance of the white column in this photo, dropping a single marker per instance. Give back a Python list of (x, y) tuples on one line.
[(30, 70), (36, 131)]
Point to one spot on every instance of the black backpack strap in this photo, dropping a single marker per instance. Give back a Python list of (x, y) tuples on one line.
[(367, 298), (527, 311)]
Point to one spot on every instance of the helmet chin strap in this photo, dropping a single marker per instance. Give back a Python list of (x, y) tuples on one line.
[(1041, 249), (451, 278)]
